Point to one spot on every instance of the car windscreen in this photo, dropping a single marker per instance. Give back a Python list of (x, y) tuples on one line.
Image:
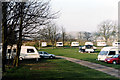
[(103, 52), (115, 56)]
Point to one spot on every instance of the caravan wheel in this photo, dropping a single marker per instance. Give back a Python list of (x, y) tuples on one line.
[(21, 58)]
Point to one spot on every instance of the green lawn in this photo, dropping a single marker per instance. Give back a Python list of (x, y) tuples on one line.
[(73, 53), (54, 69)]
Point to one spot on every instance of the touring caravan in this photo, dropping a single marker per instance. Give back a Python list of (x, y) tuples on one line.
[(116, 44), (44, 44), (87, 48), (27, 52), (59, 44), (101, 44), (108, 52), (75, 44)]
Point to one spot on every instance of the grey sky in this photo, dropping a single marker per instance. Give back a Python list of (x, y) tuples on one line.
[(84, 15)]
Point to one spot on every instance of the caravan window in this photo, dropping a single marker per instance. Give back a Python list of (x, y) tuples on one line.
[(119, 52), (112, 53), (30, 51), (9, 50), (89, 46), (14, 50), (60, 43)]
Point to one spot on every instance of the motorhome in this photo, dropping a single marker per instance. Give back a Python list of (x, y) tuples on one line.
[(108, 52), (116, 44), (75, 44), (59, 44), (27, 52), (101, 44), (89, 48), (44, 44)]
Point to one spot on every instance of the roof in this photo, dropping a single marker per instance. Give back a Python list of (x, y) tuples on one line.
[(110, 47)]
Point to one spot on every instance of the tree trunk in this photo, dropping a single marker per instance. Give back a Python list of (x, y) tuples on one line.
[(4, 34), (19, 43)]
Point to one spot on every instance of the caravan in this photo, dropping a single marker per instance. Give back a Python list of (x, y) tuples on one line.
[(27, 52), (44, 44), (101, 44), (87, 48), (108, 52), (75, 44), (59, 44), (116, 44)]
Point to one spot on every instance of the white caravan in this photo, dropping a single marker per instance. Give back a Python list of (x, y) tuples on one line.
[(59, 44), (44, 44), (101, 44), (87, 48), (108, 52), (116, 44), (75, 44), (27, 52)]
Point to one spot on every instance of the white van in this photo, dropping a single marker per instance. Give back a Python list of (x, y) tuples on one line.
[(75, 44), (108, 52), (27, 52), (101, 44)]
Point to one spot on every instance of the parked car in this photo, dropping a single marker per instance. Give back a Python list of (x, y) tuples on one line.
[(44, 54), (115, 59)]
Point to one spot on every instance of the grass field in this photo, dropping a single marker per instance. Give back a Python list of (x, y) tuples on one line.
[(54, 69), (73, 53)]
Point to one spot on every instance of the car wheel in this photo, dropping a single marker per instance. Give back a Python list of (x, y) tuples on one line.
[(114, 62), (51, 57)]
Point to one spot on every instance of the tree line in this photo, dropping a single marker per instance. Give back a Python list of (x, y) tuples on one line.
[(106, 31), (21, 20)]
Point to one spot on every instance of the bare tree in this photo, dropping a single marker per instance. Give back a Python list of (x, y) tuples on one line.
[(107, 28), (63, 35), (23, 18), (50, 32), (87, 36)]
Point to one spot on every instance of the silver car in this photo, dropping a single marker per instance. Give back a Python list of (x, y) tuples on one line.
[(44, 54)]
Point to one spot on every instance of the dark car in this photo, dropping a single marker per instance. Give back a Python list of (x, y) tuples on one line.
[(115, 59)]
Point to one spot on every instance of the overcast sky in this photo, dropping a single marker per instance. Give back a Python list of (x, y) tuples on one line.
[(84, 15)]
